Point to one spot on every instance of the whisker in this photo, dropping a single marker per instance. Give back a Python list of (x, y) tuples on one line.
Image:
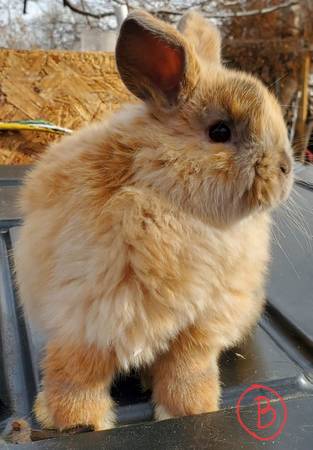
[(297, 219), (288, 259)]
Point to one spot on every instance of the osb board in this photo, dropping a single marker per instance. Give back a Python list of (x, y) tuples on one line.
[(66, 88)]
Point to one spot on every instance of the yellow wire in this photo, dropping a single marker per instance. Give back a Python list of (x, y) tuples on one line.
[(34, 127)]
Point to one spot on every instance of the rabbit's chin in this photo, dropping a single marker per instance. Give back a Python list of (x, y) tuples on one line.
[(224, 216), (228, 212)]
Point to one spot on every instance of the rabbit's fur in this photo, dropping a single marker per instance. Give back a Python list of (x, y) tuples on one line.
[(144, 243)]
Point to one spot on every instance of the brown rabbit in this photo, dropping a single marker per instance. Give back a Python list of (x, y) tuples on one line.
[(146, 237)]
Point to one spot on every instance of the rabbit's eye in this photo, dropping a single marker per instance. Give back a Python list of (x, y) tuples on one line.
[(219, 132)]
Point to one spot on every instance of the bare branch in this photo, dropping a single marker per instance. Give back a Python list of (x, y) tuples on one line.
[(122, 2), (253, 12), (86, 13), (82, 4)]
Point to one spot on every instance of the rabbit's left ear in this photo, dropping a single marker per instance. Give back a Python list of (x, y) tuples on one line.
[(154, 60)]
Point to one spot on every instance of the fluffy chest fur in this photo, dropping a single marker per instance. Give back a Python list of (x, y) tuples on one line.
[(140, 275)]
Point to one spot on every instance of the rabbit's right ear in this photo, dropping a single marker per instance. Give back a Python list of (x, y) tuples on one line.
[(205, 37), (154, 60)]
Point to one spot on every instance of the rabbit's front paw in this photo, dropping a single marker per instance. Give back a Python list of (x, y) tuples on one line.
[(185, 378), (76, 388), (71, 411)]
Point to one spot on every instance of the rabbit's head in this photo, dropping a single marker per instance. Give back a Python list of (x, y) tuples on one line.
[(222, 146)]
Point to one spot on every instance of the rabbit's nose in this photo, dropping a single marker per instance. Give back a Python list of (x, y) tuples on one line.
[(285, 165)]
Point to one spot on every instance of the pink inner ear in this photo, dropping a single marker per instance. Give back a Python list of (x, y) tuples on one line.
[(161, 63)]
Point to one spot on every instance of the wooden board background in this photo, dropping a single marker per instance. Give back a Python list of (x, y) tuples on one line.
[(74, 88), (66, 88)]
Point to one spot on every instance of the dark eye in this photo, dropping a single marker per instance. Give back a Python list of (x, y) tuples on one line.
[(219, 132)]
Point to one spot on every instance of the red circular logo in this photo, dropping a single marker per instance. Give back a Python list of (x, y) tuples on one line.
[(271, 416)]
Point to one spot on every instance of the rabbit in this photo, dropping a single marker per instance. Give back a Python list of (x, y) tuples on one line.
[(146, 237)]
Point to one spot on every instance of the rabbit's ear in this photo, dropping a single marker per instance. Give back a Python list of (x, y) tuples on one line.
[(203, 35), (154, 60)]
